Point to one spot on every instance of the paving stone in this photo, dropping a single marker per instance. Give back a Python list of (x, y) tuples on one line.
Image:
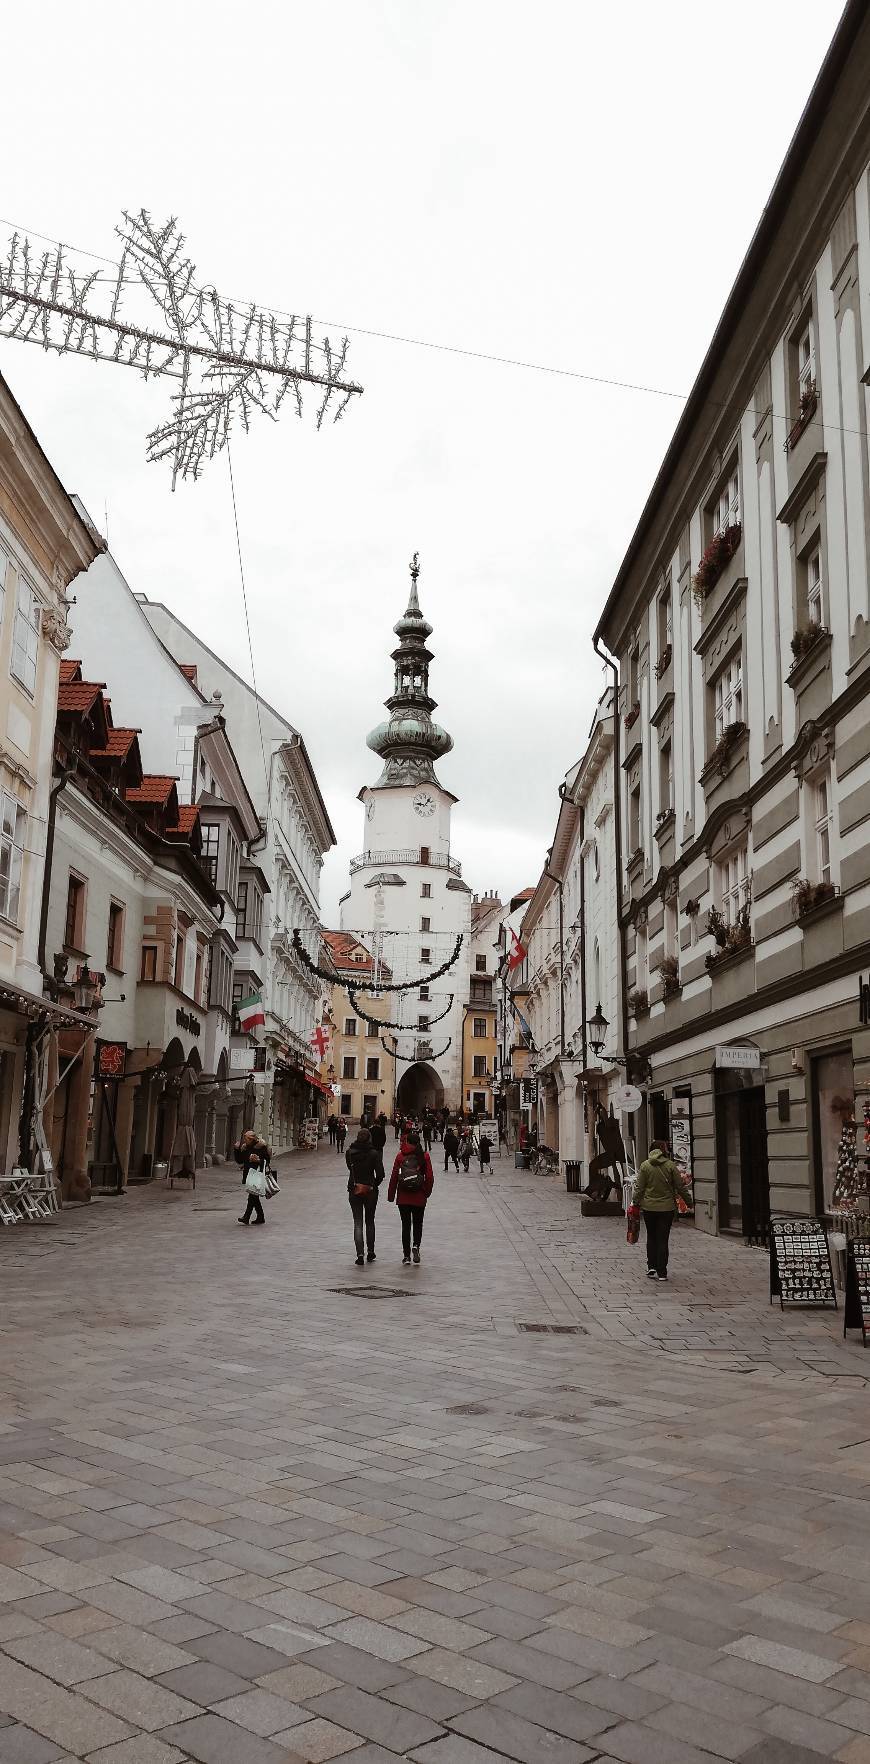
[(143, 1702), (145, 1749), (374, 1719), (58, 1714), (511, 1735), (20, 1745), (462, 1671), (826, 1737), (58, 1657), (203, 1683), (725, 1739), (297, 1683), (353, 1666), (553, 1710), (237, 1653), (524, 1662), (456, 1750), (783, 1659), (211, 1740), (439, 1701), (635, 1744), (138, 1649), (318, 1741), (260, 1712)]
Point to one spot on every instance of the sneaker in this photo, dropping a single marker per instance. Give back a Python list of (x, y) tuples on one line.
[(416, 1255), (651, 1274), (244, 1221), (406, 1261), (371, 1257), (359, 1261), (662, 1276)]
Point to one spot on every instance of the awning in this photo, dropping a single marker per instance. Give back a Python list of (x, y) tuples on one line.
[(317, 1084), (29, 1004)]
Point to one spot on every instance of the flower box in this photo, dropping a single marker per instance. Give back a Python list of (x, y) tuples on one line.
[(664, 660), (721, 754), (670, 973), (805, 639), (638, 1002), (635, 860), (730, 940), (632, 716), (718, 554), (806, 895), (808, 407)]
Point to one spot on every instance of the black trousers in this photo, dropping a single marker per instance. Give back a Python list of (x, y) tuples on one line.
[(658, 1230), (254, 1206), (450, 1158), (412, 1218), (364, 1208)]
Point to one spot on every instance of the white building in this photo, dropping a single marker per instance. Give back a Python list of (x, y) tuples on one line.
[(296, 834), (407, 899)]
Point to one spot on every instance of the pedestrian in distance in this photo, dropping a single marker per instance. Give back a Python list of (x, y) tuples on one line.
[(252, 1153), (379, 1140), (451, 1148), (332, 1128), (411, 1184), (341, 1135), (397, 1125), (466, 1147), (363, 1183), (483, 1151), (655, 1192), (427, 1132)]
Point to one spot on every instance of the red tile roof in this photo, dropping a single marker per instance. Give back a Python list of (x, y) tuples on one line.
[(118, 746), (188, 815), (524, 894), (341, 946), (79, 696), (154, 788), (68, 671)]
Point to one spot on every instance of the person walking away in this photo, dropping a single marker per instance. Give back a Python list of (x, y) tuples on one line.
[(451, 1148), (331, 1126), (466, 1146), (362, 1191), (483, 1151), (427, 1132), (655, 1193), (379, 1140), (397, 1125), (341, 1135), (411, 1184), (253, 1154)]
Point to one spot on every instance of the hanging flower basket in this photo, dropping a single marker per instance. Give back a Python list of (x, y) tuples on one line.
[(719, 552)]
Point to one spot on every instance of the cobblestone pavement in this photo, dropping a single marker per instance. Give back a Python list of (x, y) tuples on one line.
[(258, 1504)]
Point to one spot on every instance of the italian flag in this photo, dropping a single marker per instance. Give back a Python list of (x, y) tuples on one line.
[(250, 1012)]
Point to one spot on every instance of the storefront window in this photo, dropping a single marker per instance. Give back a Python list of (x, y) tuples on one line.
[(833, 1089)]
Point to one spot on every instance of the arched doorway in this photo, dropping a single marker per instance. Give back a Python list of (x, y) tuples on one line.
[(419, 1088)]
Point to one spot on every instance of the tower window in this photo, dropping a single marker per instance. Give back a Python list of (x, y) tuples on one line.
[(426, 890), (425, 956), (424, 994), (425, 924)]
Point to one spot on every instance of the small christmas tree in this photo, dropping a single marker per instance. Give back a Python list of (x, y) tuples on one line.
[(848, 1182)]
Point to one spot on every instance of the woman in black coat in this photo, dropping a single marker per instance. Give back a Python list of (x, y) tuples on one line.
[(253, 1154), (362, 1191)]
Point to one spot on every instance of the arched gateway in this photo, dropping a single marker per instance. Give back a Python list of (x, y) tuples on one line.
[(419, 1088)]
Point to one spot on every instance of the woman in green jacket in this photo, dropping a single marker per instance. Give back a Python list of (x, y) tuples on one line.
[(655, 1192)]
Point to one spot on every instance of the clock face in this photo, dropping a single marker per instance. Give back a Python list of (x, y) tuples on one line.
[(424, 804), (370, 811)]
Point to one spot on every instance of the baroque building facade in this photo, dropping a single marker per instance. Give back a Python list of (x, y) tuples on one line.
[(407, 901), (740, 623)]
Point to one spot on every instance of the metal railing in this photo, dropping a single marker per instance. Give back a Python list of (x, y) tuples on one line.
[(436, 860)]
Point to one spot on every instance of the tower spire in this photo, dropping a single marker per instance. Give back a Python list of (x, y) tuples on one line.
[(410, 742)]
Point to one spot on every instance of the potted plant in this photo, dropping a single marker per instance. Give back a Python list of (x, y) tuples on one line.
[(805, 638), (719, 552), (670, 973), (638, 1001), (632, 715), (731, 734), (806, 895), (729, 938), (808, 402), (664, 660)]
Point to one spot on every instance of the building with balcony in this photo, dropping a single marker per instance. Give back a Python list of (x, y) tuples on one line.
[(359, 1064), (740, 622), (407, 902)]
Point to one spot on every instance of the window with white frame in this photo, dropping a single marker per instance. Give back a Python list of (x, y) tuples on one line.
[(806, 359), (670, 927), (726, 508), (634, 822), (666, 779), (728, 695), (641, 960), (814, 586), (13, 824), (25, 637), (734, 884), (665, 619), (822, 819)]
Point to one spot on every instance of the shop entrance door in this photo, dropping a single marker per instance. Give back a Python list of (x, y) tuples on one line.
[(744, 1185)]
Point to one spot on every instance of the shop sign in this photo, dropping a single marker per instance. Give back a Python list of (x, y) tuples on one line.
[(738, 1059), (111, 1059), (800, 1264), (530, 1093), (627, 1098), (241, 1059), (186, 1020)]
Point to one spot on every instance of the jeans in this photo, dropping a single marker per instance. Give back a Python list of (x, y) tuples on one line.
[(364, 1208), (658, 1230), (450, 1157), (254, 1206), (411, 1216)]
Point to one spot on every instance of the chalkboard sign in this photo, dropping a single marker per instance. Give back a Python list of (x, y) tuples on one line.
[(800, 1264), (857, 1308)]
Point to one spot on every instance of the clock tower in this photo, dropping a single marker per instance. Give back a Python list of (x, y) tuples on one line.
[(407, 900)]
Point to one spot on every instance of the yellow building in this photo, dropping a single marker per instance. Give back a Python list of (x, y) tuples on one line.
[(356, 1061), (479, 1022)]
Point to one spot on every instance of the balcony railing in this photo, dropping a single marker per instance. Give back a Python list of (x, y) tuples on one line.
[(371, 860)]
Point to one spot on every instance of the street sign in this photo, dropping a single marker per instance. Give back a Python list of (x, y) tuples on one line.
[(738, 1059), (627, 1098), (242, 1059)]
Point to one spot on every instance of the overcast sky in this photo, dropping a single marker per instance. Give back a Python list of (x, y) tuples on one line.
[(569, 184)]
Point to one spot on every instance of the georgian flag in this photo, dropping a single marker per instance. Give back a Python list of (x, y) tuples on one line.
[(250, 1012), (320, 1041)]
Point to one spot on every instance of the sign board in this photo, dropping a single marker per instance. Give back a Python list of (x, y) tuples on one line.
[(857, 1306), (681, 1145), (111, 1060), (738, 1059), (241, 1059), (530, 1093), (310, 1129), (800, 1264), (627, 1098)]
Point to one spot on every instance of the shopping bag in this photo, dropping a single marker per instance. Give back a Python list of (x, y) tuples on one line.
[(255, 1182), (632, 1224)]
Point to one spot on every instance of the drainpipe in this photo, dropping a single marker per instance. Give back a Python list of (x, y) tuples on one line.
[(583, 1048), (622, 1024)]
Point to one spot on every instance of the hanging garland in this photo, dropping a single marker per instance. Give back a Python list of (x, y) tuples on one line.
[(396, 986), (411, 1059), (385, 1022)]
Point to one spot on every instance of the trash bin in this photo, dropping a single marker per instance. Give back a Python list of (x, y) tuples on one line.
[(573, 1169), (521, 1160)]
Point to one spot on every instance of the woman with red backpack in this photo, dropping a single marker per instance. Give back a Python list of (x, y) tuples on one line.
[(411, 1184)]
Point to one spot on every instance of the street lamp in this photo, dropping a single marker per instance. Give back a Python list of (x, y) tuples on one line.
[(85, 989), (597, 1028)]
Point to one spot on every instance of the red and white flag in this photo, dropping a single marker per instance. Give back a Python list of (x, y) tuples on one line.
[(320, 1040), (517, 952)]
